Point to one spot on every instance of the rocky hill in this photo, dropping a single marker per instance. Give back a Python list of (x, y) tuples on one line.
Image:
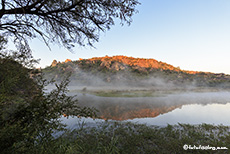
[(117, 63), (134, 70)]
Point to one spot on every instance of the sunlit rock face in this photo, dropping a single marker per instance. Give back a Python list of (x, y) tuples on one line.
[(132, 71), (54, 63), (68, 60), (117, 66), (105, 64), (121, 61)]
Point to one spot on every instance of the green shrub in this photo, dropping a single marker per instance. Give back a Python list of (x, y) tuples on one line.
[(28, 115)]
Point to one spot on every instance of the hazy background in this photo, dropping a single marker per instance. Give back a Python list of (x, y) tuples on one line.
[(192, 34)]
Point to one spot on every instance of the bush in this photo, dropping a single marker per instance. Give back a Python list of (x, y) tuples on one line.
[(28, 115)]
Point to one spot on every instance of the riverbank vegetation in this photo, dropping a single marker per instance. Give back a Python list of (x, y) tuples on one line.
[(28, 113), (119, 138), (154, 92)]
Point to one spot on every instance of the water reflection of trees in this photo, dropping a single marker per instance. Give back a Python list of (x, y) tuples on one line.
[(142, 107)]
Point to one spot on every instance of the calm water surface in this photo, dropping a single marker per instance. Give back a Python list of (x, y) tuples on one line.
[(189, 107)]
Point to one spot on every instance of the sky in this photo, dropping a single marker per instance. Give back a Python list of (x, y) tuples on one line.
[(190, 34)]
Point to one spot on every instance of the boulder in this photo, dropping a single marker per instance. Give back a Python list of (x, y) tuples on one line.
[(117, 66), (54, 63), (68, 60), (105, 64)]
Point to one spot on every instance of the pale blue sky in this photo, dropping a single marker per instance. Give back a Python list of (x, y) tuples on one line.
[(191, 34)]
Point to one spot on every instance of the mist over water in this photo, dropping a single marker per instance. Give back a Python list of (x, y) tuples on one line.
[(126, 80), (188, 107), (149, 99)]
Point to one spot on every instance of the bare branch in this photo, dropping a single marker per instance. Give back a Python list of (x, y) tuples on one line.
[(63, 21), (3, 8)]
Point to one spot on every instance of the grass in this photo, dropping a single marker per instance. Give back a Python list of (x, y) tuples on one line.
[(133, 93), (125, 93), (129, 138), (143, 92)]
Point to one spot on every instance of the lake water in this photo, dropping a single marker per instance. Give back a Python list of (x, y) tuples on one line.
[(192, 114), (187, 107)]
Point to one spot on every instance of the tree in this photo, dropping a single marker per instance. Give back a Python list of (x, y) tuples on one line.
[(66, 22), (29, 115)]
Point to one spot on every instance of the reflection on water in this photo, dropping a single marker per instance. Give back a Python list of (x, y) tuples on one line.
[(193, 108), (192, 114)]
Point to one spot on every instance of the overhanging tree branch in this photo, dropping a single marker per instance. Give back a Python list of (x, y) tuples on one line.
[(65, 22)]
